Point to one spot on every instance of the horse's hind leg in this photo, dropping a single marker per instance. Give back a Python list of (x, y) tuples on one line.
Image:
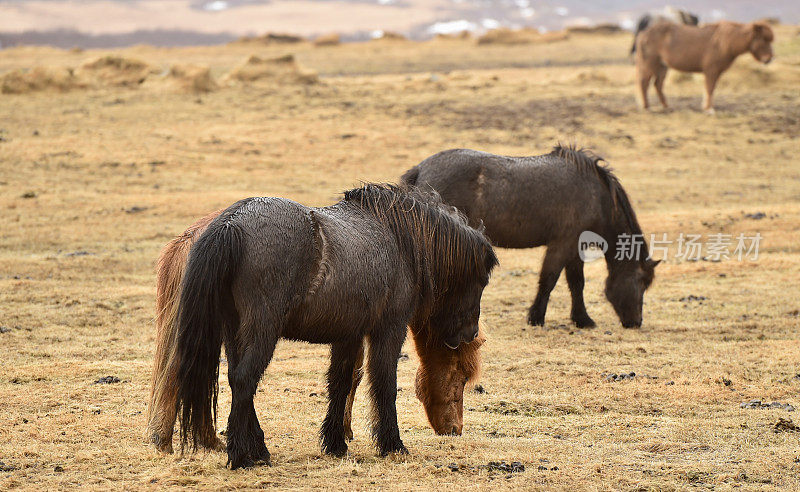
[(384, 349), (344, 356), (551, 269), (358, 373), (661, 75), (575, 281), (643, 74), (256, 339)]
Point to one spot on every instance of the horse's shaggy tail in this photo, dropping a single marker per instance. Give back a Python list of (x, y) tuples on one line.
[(161, 409), (206, 311), (410, 177), (170, 268), (644, 23)]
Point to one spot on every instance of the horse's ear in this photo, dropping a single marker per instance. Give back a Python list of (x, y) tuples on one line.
[(651, 264)]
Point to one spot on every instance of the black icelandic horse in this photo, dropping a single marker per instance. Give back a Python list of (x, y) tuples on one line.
[(548, 200), (364, 269)]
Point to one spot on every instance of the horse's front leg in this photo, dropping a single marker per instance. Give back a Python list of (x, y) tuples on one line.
[(384, 349), (551, 269), (344, 356), (711, 77), (575, 280), (358, 373)]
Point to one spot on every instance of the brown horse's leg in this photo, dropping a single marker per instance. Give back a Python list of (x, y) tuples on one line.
[(575, 281), (358, 373), (644, 75), (551, 269), (661, 75), (711, 83), (344, 356)]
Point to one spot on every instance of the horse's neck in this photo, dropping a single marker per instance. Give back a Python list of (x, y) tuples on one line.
[(734, 42), (619, 232)]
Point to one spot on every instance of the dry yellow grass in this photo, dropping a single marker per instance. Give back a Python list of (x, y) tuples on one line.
[(526, 35), (94, 182)]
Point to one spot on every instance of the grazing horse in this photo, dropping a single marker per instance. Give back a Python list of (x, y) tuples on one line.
[(548, 200), (669, 14), (364, 269), (710, 49), (439, 384)]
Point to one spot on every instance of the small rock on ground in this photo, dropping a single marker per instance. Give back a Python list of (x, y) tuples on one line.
[(758, 404), (614, 377), (107, 380)]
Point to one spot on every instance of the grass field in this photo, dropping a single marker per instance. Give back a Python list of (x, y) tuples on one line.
[(93, 182)]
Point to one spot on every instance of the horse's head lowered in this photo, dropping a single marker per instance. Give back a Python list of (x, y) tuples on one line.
[(625, 287), (452, 348), (442, 375), (761, 42), (451, 262)]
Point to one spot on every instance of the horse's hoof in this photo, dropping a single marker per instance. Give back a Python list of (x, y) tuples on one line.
[(584, 322), (339, 450), (262, 456), (348, 434), (215, 444), (162, 445), (535, 320), (397, 452), (396, 448), (242, 461)]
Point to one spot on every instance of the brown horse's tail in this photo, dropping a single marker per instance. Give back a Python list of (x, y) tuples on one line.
[(644, 23), (161, 410), (206, 313)]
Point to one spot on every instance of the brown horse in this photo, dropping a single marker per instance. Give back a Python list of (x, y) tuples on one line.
[(440, 378), (417, 263), (548, 200), (710, 49)]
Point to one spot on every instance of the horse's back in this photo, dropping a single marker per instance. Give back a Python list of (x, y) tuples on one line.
[(322, 271), (521, 201), (279, 245)]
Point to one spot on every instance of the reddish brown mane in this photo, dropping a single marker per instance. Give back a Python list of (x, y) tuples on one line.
[(443, 372)]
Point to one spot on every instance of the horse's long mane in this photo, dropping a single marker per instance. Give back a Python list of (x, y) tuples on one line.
[(445, 251), (589, 162)]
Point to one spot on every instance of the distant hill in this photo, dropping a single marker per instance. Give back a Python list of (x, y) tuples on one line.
[(113, 23)]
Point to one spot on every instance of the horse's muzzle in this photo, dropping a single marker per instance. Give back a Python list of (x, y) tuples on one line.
[(454, 341)]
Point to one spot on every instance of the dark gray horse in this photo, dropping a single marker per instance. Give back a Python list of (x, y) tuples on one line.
[(367, 267), (548, 200), (669, 14)]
